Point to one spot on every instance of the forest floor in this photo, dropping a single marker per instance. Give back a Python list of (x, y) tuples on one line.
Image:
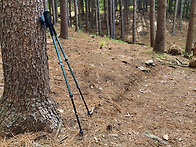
[(133, 104)]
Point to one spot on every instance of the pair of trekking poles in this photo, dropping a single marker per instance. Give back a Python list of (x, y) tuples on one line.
[(46, 22)]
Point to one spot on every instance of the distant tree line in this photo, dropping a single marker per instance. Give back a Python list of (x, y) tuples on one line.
[(100, 16)]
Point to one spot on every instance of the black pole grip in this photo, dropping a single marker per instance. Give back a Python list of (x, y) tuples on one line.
[(47, 19), (49, 23)]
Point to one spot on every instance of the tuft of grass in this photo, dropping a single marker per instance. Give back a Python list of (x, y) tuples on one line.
[(102, 43)]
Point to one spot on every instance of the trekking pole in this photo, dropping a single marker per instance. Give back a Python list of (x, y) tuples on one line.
[(66, 60), (45, 20)]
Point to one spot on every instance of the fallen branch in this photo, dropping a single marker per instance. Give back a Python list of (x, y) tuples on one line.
[(155, 137)]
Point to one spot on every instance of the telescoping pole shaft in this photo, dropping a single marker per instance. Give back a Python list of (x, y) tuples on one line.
[(66, 60), (50, 25)]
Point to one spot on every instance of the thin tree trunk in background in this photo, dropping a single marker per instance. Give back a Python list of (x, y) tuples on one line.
[(134, 21), (191, 28), (82, 8), (187, 9), (99, 17), (174, 20), (147, 2), (87, 14), (113, 20), (121, 19), (170, 6), (181, 13), (159, 45), (70, 18), (79, 14), (25, 105), (45, 5), (64, 19), (139, 5), (53, 12), (56, 10), (96, 17), (107, 16), (144, 5), (105, 9), (184, 9), (76, 14), (111, 25), (152, 22), (50, 8), (92, 12)]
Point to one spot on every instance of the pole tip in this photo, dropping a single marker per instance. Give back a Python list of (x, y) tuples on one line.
[(81, 132), (89, 113)]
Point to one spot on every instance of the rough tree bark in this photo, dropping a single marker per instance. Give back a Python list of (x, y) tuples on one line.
[(25, 104), (64, 19), (191, 29), (161, 26)]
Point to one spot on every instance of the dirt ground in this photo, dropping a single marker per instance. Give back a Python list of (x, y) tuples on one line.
[(133, 104)]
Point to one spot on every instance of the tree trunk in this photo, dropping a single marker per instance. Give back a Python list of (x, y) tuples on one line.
[(152, 22), (161, 26), (92, 12), (170, 6), (25, 105), (70, 18), (181, 13), (96, 17), (113, 20), (174, 20), (53, 12), (191, 29), (64, 19), (76, 15), (139, 5), (134, 21), (87, 14), (108, 18), (79, 14), (121, 19), (56, 10), (46, 5), (99, 17)]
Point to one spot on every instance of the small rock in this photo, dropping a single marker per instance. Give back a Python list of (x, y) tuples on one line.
[(180, 139), (143, 68), (60, 110), (166, 137), (149, 62), (96, 140)]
